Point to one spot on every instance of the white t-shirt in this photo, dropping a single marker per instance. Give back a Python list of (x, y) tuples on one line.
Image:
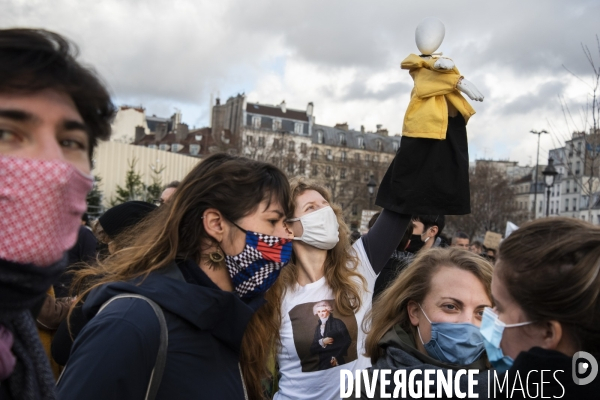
[(307, 364)]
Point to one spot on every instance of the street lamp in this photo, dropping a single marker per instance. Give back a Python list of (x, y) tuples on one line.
[(549, 176), (371, 185), (536, 170)]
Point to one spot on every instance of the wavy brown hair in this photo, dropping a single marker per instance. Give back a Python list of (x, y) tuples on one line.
[(413, 283), (175, 230), (262, 334), (551, 268)]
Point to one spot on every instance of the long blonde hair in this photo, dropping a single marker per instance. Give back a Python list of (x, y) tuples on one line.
[(262, 334), (413, 283)]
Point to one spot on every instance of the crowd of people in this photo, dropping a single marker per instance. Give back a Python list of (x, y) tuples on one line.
[(205, 296)]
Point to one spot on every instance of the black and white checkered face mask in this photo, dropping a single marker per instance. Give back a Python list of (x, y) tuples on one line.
[(256, 268)]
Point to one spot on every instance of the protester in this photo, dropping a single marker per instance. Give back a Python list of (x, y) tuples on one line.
[(429, 317), (460, 240), (116, 220), (324, 268), (53, 111), (168, 192), (546, 288), (489, 254), (476, 247), (426, 232), (205, 258)]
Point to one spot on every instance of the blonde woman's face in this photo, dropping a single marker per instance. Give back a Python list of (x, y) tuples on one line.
[(307, 202), (455, 296)]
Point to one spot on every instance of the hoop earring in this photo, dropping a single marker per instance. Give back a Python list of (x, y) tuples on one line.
[(216, 257)]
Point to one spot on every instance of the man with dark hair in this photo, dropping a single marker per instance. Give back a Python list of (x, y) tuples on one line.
[(426, 232), (53, 111), (461, 239), (168, 192), (476, 247)]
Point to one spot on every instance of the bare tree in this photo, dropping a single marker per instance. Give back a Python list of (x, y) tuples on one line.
[(492, 203), (584, 123)]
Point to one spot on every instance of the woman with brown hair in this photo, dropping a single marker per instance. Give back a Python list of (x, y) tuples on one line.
[(205, 258), (324, 269), (429, 317), (546, 289)]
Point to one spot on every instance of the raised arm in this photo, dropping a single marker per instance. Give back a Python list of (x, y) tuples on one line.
[(383, 238)]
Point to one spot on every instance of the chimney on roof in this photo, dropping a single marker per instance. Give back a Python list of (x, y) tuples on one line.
[(283, 107), (381, 131), (140, 132), (182, 132), (218, 101), (309, 109), (362, 129), (343, 126)]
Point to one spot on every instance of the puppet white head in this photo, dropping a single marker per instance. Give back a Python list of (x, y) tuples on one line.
[(429, 35)]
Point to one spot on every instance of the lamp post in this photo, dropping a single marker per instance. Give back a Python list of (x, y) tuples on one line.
[(539, 133), (549, 176), (371, 185)]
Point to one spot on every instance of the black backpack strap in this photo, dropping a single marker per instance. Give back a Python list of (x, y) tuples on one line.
[(161, 357)]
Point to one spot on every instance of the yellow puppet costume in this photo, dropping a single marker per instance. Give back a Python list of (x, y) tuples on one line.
[(432, 99)]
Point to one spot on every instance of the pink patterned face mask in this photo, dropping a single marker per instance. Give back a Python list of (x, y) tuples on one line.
[(41, 204)]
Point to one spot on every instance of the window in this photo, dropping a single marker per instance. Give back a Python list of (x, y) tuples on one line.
[(176, 147), (395, 145), (356, 175), (315, 170), (303, 148), (261, 141), (566, 204), (291, 145), (378, 145), (367, 176), (551, 207), (361, 142), (194, 149), (315, 154), (302, 167), (328, 171), (329, 156), (276, 124), (574, 204), (249, 140), (320, 138), (276, 144), (342, 137), (298, 127), (343, 156), (343, 173), (164, 147), (577, 167), (354, 209), (152, 146), (367, 157), (356, 156), (291, 166), (375, 159), (256, 122)]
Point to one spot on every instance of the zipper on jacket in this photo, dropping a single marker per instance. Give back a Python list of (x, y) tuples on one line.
[(243, 382)]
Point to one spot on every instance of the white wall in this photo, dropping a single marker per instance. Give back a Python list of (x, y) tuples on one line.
[(111, 164)]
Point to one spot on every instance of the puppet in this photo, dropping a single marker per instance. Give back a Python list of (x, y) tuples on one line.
[(430, 173)]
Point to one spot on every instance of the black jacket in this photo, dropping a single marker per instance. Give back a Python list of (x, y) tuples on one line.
[(115, 352), (557, 378), (335, 329)]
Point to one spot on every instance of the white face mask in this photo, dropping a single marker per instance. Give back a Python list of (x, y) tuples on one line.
[(321, 228)]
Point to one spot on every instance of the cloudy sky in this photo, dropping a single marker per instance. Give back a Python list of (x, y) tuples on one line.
[(343, 55)]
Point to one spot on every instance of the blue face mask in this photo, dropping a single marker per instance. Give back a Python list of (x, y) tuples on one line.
[(491, 330), (453, 343)]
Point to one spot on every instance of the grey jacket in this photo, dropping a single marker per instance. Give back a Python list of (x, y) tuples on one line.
[(400, 352)]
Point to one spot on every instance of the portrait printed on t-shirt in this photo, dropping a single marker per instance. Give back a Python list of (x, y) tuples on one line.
[(323, 339)]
